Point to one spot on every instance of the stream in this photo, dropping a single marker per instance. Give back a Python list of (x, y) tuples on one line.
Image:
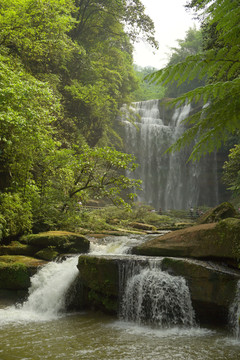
[(41, 329)]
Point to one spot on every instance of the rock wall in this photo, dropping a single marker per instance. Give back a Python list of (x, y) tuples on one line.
[(212, 287)]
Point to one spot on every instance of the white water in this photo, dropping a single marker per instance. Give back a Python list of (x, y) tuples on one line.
[(46, 300), (153, 297), (169, 182)]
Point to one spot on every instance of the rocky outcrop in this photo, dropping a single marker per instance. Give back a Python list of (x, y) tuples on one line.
[(220, 212), (217, 241), (212, 287)]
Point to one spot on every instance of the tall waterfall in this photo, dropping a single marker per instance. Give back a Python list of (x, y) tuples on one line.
[(153, 297), (169, 182)]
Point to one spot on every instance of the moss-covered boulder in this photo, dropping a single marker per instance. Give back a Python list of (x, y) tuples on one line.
[(16, 248), (99, 276), (57, 242), (15, 271), (220, 212), (47, 254), (142, 226), (219, 241)]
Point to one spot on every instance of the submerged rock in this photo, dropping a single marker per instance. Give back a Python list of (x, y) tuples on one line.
[(219, 241)]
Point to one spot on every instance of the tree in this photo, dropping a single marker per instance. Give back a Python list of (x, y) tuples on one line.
[(191, 45), (67, 176), (231, 175), (219, 117), (146, 91)]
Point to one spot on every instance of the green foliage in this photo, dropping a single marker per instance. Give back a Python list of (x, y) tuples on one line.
[(191, 45), (65, 71), (146, 90), (16, 215), (231, 176), (219, 117), (67, 176)]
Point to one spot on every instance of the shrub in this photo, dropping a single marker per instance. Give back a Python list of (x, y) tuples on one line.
[(15, 215)]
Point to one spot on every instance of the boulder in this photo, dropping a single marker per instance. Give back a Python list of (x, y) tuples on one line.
[(220, 212), (216, 241), (57, 242)]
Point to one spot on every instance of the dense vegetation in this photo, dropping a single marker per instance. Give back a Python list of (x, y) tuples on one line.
[(65, 70), (219, 64)]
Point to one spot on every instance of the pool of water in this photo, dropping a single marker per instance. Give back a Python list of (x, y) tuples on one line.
[(96, 336)]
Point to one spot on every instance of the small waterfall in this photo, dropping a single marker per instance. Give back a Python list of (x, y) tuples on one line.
[(46, 300), (234, 314), (169, 182), (153, 297)]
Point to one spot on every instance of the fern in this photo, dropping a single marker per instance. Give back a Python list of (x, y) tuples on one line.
[(212, 125)]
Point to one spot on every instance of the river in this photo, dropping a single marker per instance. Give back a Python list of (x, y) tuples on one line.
[(41, 329)]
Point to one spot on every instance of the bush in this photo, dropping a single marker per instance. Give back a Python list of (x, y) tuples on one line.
[(15, 215)]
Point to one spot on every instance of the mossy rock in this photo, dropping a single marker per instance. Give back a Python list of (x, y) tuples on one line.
[(47, 254), (142, 226), (220, 212), (99, 276), (16, 248), (63, 241), (15, 271)]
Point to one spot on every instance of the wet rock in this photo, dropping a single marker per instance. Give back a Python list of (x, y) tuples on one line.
[(212, 287), (219, 241), (99, 277)]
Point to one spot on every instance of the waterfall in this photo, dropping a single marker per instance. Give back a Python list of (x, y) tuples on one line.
[(46, 300), (153, 297), (169, 182), (234, 313)]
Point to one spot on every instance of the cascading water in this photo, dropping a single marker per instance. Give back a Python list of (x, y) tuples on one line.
[(153, 297), (234, 314), (46, 298), (169, 182)]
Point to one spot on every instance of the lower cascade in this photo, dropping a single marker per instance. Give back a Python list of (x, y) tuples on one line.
[(154, 297), (46, 299)]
